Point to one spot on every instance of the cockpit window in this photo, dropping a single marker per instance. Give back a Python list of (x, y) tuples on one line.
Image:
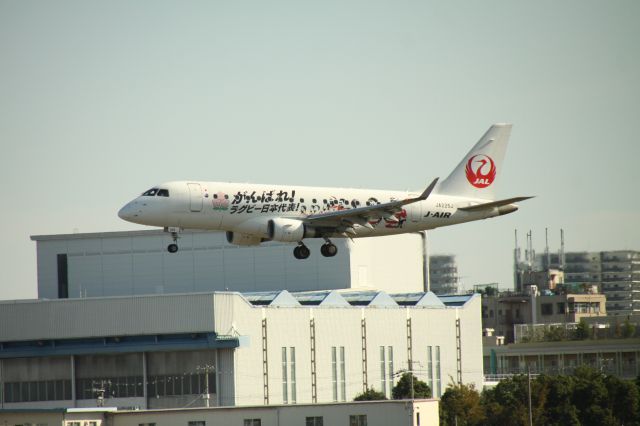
[(163, 192), (151, 192)]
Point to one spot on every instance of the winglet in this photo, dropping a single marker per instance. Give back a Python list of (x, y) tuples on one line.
[(425, 194), (427, 191)]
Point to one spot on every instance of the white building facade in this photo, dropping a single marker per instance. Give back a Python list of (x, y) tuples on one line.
[(231, 349)]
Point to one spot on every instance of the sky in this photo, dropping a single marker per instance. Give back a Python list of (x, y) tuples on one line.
[(99, 101)]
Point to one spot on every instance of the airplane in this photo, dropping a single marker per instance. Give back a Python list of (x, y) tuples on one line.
[(254, 213)]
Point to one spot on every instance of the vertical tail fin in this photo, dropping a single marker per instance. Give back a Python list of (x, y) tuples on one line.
[(477, 173)]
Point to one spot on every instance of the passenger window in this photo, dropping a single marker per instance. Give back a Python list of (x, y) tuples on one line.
[(163, 192), (151, 192)]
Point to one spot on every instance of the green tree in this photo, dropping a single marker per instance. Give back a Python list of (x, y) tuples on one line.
[(558, 409), (623, 401), (370, 395), (582, 330), (507, 402), (591, 397), (490, 291), (402, 390), (628, 329), (460, 405)]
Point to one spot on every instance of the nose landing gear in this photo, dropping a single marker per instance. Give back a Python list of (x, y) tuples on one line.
[(173, 248)]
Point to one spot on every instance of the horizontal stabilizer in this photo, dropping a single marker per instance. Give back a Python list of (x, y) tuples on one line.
[(493, 204)]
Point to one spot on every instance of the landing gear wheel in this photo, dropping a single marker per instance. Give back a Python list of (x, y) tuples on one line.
[(328, 250), (301, 252), (173, 248)]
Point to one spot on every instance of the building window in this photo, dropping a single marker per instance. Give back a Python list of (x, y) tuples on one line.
[(438, 372), (46, 390), (430, 367), (285, 397), (169, 385), (560, 307), (292, 358), (288, 375), (386, 369), (343, 381), (358, 420), (314, 421), (334, 372), (390, 372), (252, 422), (490, 313), (383, 376), (338, 379), (546, 309)]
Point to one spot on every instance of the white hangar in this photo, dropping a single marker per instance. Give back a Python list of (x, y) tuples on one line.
[(228, 348), (136, 262)]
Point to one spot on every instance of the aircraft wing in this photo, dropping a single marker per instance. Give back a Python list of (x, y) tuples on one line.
[(362, 215)]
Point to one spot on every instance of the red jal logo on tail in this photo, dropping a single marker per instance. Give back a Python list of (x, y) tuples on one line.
[(481, 171)]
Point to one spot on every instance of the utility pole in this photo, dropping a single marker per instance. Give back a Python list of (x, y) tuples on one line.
[(207, 368), (529, 387)]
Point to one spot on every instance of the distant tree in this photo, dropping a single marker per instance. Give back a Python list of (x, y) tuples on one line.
[(402, 390), (507, 402), (628, 329), (591, 398), (554, 333), (559, 409), (460, 405), (623, 400), (370, 395), (582, 330), (490, 291)]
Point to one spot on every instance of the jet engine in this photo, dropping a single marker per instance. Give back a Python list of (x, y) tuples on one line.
[(241, 239), (288, 230)]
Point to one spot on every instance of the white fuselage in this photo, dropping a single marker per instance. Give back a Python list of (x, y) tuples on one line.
[(246, 208)]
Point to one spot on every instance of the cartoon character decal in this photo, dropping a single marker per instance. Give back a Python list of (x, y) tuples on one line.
[(220, 201), (401, 217)]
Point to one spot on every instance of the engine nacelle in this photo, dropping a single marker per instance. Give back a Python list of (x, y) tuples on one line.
[(241, 239), (288, 230)]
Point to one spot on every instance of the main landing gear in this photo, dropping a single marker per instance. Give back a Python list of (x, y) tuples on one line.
[(301, 252), (173, 248), (328, 249)]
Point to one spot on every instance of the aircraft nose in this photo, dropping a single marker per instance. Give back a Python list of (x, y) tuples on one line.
[(128, 212)]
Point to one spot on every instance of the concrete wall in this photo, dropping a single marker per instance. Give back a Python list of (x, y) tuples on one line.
[(379, 413)]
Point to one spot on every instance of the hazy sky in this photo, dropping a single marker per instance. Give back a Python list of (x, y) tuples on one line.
[(102, 100)]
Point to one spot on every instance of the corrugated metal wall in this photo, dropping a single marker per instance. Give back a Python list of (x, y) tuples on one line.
[(121, 263), (66, 319)]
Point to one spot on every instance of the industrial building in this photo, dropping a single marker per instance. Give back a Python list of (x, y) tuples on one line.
[(230, 349), (443, 274), (137, 262), (503, 312), (616, 274), (619, 357)]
